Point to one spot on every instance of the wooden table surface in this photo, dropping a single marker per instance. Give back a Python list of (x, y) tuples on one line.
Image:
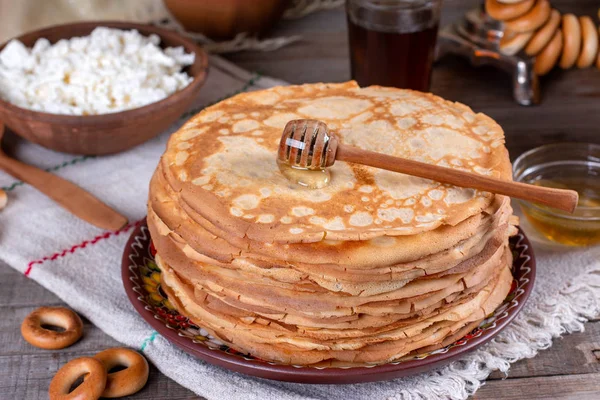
[(570, 112)]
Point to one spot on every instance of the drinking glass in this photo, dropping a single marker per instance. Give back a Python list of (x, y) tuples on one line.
[(392, 42)]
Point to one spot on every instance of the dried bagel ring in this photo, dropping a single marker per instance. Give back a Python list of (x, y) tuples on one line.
[(589, 46), (571, 41), (3, 199), (90, 389), (598, 58), (503, 12), (547, 59), (33, 330), (128, 381), (542, 37), (511, 44), (535, 18)]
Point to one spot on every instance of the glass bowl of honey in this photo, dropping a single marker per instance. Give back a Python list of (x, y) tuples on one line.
[(573, 166)]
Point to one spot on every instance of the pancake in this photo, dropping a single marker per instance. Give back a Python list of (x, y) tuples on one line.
[(288, 328), (368, 269), (280, 342), (382, 251), (222, 164), (314, 301), (343, 278)]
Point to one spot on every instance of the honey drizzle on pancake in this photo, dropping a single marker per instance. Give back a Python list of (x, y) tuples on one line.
[(311, 179)]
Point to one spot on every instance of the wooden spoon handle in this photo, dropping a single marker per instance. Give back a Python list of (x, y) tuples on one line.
[(558, 198), (68, 195)]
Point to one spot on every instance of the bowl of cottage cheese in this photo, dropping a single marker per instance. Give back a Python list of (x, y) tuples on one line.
[(97, 87)]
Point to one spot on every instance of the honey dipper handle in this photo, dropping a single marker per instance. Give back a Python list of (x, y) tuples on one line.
[(68, 195), (565, 200)]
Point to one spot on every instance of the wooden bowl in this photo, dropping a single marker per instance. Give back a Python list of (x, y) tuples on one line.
[(223, 19), (105, 133)]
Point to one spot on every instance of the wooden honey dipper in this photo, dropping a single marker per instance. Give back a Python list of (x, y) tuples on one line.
[(308, 144)]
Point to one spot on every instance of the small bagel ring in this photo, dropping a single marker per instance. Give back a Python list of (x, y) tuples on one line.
[(598, 58), (535, 18), (503, 12), (512, 44), (127, 381), (36, 335), (572, 41), (547, 59), (3, 199), (589, 46), (542, 37), (90, 389)]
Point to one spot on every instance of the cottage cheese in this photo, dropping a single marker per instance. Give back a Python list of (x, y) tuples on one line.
[(108, 71)]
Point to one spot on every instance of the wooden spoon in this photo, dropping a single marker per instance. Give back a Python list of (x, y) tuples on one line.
[(68, 195), (308, 144)]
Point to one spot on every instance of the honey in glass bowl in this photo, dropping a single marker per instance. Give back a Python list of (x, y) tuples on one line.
[(573, 166)]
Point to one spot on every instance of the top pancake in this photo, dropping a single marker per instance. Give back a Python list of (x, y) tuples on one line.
[(222, 163)]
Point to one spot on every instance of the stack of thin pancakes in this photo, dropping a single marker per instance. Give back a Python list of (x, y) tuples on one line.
[(373, 267)]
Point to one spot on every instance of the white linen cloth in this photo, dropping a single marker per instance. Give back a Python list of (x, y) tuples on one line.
[(82, 265)]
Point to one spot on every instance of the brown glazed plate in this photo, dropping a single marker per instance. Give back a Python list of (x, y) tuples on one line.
[(141, 278)]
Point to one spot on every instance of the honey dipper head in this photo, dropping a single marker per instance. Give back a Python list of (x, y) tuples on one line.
[(307, 144)]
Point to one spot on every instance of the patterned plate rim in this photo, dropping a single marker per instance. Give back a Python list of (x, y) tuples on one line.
[(524, 266)]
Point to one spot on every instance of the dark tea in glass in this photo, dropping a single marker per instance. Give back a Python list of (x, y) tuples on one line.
[(392, 42)]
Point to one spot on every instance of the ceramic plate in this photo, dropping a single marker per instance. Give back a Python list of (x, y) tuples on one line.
[(141, 278)]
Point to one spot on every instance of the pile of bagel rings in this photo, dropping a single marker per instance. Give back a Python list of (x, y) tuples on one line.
[(98, 380), (539, 30)]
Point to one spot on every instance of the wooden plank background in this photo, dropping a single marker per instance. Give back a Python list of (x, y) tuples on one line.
[(570, 112)]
